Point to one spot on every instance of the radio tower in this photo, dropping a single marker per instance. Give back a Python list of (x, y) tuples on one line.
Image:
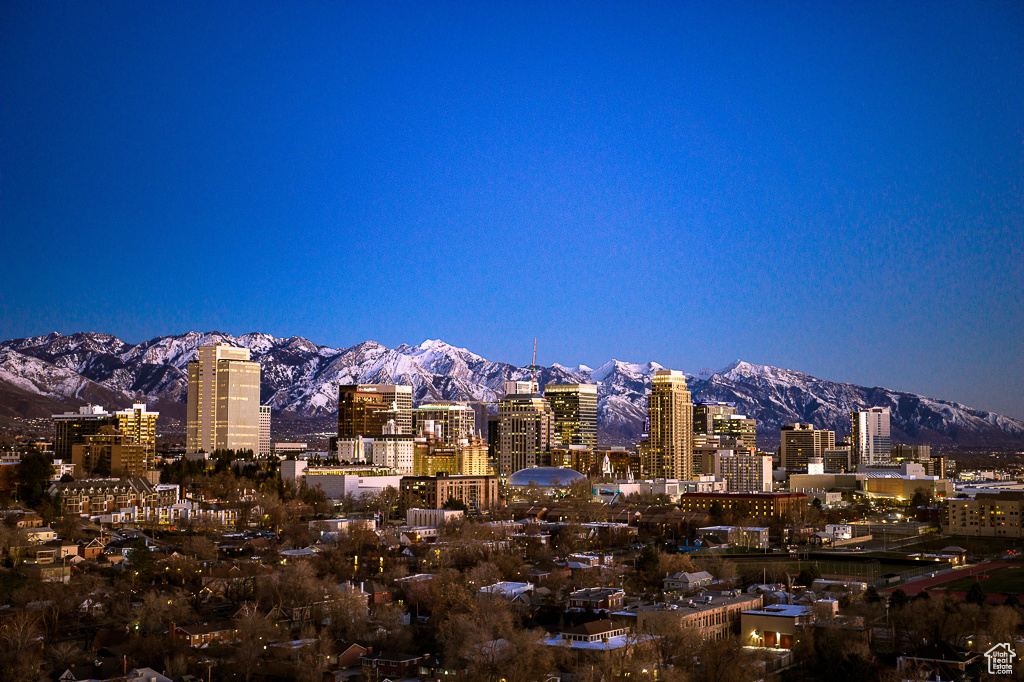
[(533, 365)]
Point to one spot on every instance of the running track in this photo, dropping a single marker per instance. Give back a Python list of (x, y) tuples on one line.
[(916, 586)]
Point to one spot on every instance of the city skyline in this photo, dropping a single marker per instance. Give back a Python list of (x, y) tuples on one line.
[(654, 342), (833, 190)]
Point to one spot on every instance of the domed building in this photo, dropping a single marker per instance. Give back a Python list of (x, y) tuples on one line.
[(550, 481)]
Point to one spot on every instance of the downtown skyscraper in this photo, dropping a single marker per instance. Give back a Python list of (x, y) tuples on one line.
[(669, 449), (526, 431), (870, 437), (223, 408), (575, 410)]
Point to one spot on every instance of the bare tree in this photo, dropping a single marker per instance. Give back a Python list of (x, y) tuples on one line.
[(724, 660), (349, 615), (20, 648), (312, 657), (255, 634), (389, 628), (672, 642), (160, 610), (199, 547), (62, 655)]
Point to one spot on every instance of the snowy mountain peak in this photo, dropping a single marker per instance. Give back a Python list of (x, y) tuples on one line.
[(301, 378), (627, 368), (579, 369), (740, 368)]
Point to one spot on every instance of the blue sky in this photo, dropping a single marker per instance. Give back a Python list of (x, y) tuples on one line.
[(833, 188)]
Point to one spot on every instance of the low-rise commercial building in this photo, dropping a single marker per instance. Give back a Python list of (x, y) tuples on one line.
[(432, 492), (752, 537), (715, 616), (339, 481), (754, 504), (775, 626), (431, 518)]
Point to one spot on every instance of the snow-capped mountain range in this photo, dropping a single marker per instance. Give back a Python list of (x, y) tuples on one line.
[(300, 379)]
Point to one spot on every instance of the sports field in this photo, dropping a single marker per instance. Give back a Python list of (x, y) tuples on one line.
[(1007, 580)]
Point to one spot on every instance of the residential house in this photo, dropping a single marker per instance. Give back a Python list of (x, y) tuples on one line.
[(41, 534), (21, 518), (377, 593), (63, 548), (206, 633), (600, 632), (40, 554), (91, 550), (941, 661), (517, 594), (146, 675), (597, 598), (389, 665), (684, 582), (349, 654)]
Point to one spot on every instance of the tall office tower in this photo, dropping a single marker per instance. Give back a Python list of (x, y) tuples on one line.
[(575, 410), (111, 453), (364, 409), (223, 411), (526, 427), (71, 428), (704, 412), (869, 436), (736, 426), (744, 472), (453, 421), (669, 450), (266, 447), (138, 426), (493, 437), (800, 441)]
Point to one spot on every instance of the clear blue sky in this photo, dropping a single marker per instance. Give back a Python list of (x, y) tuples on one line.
[(836, 188)]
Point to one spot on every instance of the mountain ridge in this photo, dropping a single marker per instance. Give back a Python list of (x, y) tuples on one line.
[(300, 379)]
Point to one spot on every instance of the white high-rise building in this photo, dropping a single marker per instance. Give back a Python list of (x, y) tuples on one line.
[(266, 447), (870, 439), (223, 410), (394, 450)]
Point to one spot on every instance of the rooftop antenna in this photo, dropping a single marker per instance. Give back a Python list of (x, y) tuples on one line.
[(533, 365)]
